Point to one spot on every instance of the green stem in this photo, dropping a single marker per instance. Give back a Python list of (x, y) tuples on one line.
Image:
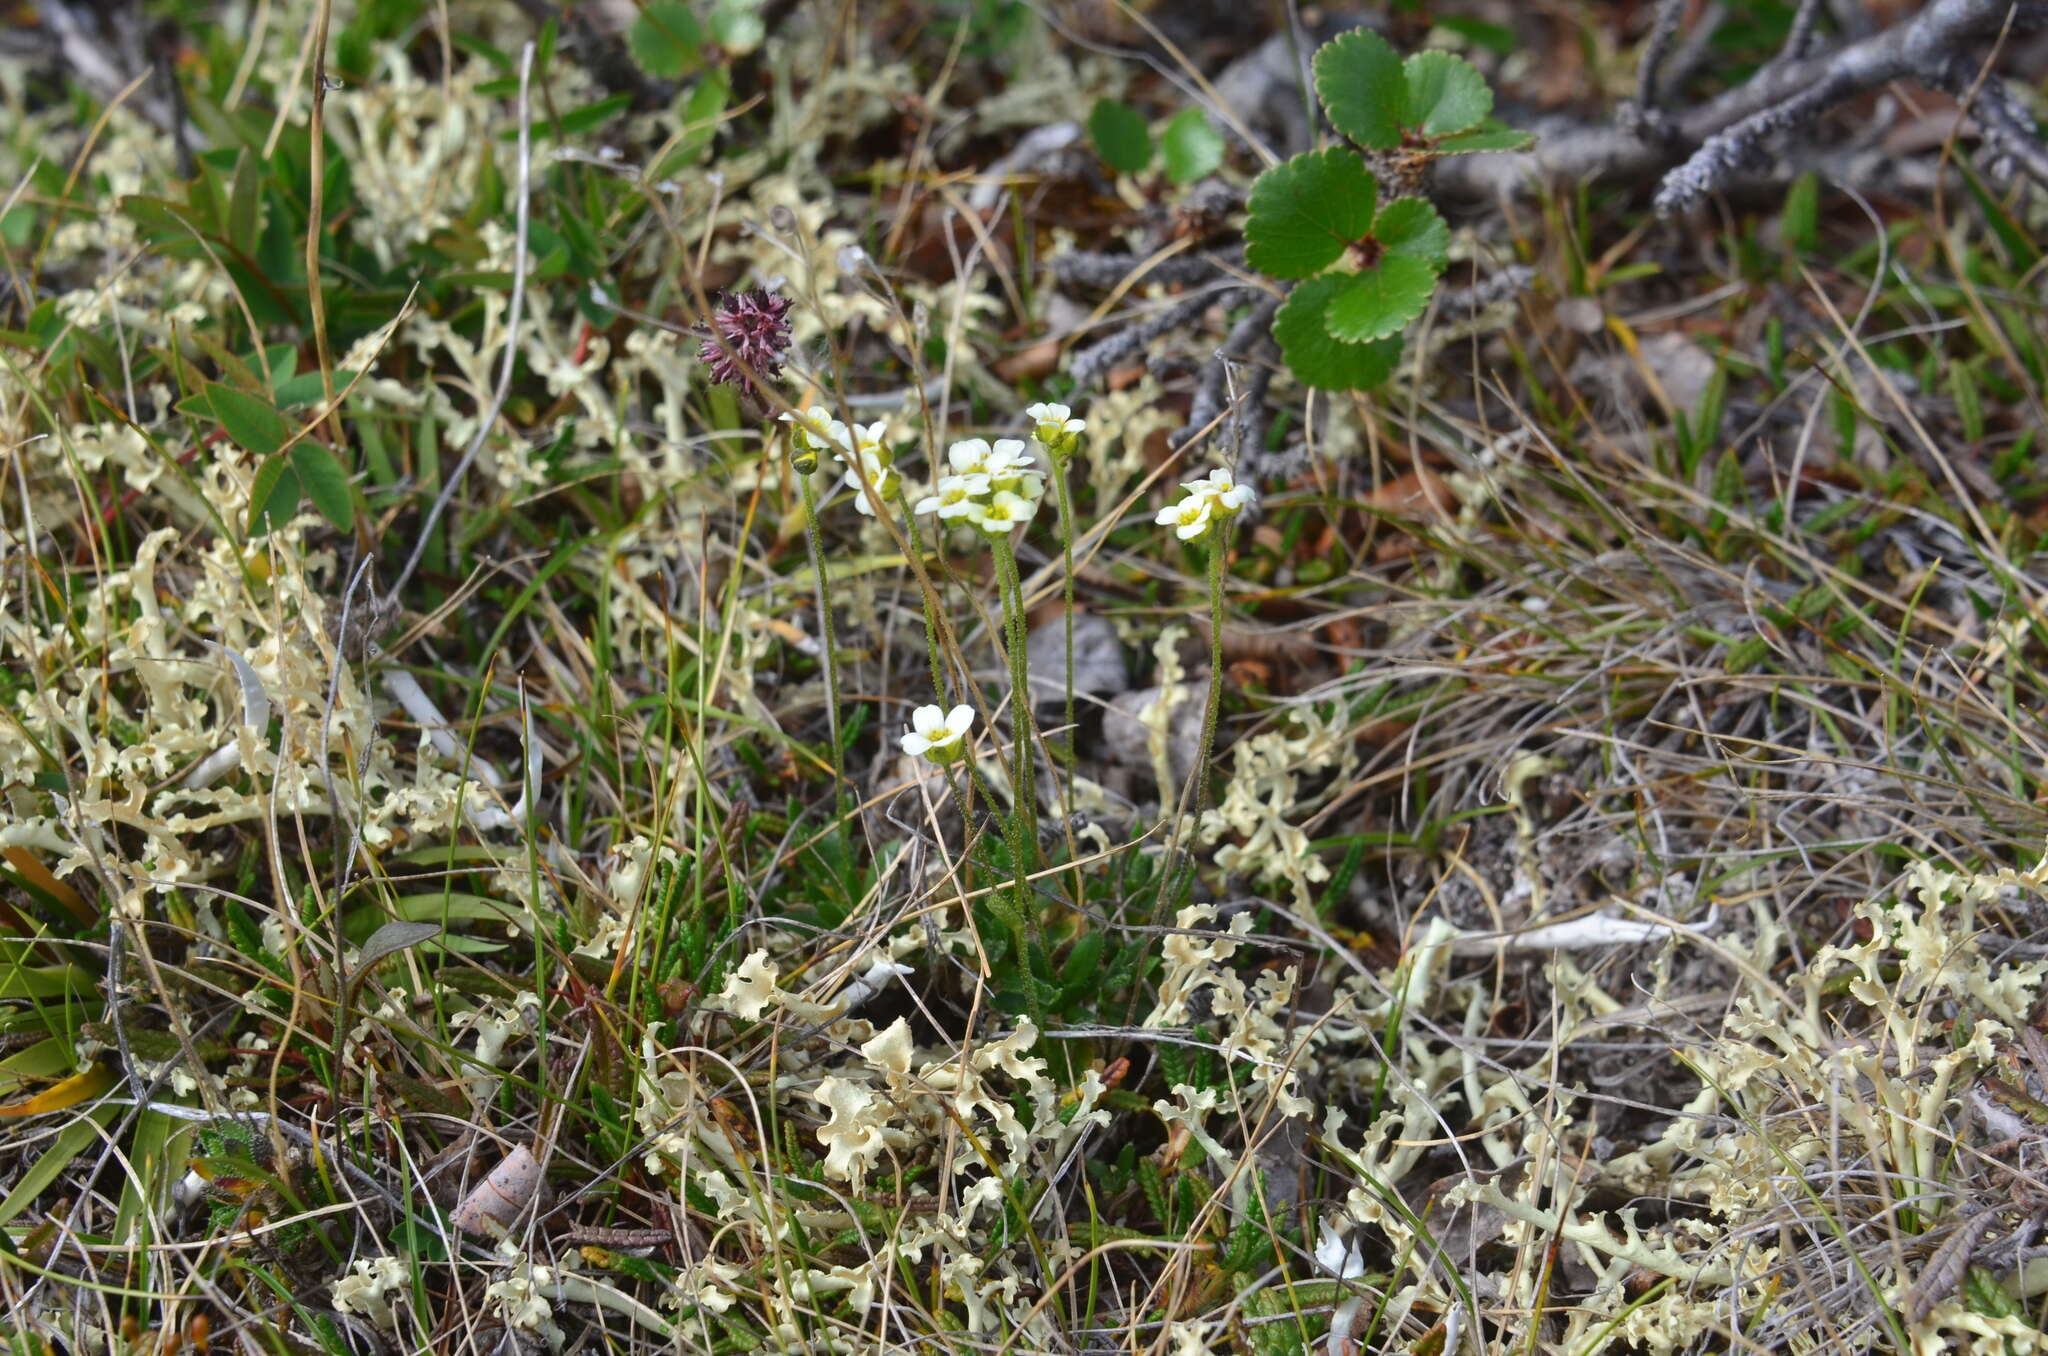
[(1169, 869), (931, 625), (1059, 478), (1021, 725), (830, 656), (1220, 549)]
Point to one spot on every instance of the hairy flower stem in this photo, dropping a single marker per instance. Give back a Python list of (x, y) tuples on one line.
[(830, 658), (1023, 780), (1218, 553), (931, 625), (1170, 871), (1059, 480)]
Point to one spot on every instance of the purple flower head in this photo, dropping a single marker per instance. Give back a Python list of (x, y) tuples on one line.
[(754, 327)]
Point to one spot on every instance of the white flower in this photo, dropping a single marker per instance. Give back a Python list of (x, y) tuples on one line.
[(1222, 490), (1007, 461), (1190, 518), (880, 480), (814, 427), (1056, 428), (1054, 419), (969, 456), (1004, 512), (938, 735), (955, 496)]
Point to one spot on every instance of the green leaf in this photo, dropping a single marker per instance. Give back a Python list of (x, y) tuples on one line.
[(326, 483), (1491, 136), (306, 387), (273, 496), (1318, 358), (1378, 301), (1411, 226), (1446, 94), (253, 423), (664, 39), (1120, 136), (737, 27), (1190, 146), (1801, 218), (1305, 211), (244, 198), (1362, 86)]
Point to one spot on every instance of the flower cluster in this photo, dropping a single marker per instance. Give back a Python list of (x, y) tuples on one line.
[(1211, 499), (753, 334), (992, 487), (859, 447), (997, 486)]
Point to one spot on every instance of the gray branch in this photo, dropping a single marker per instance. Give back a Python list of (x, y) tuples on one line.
[(1727, 129)]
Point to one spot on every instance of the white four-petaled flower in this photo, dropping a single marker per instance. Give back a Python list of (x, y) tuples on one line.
[(1004, 511), (1056, 427), (1190, 518), (1221, 489), (938, 735), (814, 427), (956, 496)]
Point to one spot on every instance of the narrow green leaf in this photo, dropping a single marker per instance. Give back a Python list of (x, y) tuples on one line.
[(1362, 86), (326, 483), (66, 1145), (1446, 94), (1378, 301), (1801, 216), (1305, 211), (1120, 136), (1318, 358), (1190, 146), (244, 198), (253, 423), (273, 497), (1491, 137), (665, 39)]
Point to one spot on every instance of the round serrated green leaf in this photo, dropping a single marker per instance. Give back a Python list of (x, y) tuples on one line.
[(1378, 301), (1190, 147), (665, 39), (1362, 86), (1411, 226), (1120, 136), (1318, 358), (1304, 211), (1446, 94)]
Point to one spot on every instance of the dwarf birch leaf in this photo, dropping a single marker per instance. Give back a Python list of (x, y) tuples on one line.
[(1446, 94), (664, 39), (1120, 137), (1411, 226), (1305, 211), (1360, 81), (1315, 356), (1378, 301), (1190, 147), (1492, 136)]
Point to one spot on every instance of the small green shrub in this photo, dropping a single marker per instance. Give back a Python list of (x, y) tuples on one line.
[(1366, 260)]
